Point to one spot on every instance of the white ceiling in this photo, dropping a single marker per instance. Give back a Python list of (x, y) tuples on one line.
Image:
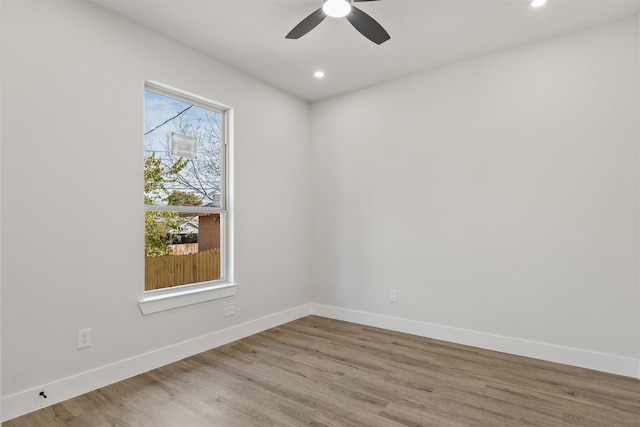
[(249, 35)]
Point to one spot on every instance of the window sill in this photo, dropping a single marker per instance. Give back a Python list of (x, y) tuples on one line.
[(167, 299)]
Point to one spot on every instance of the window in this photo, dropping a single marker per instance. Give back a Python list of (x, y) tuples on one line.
[(186, 198)]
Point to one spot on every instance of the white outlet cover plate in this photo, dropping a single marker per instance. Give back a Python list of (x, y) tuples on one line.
[(84, 338)]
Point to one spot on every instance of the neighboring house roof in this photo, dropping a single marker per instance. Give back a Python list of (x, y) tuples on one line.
[(190, 226), (215, 203)]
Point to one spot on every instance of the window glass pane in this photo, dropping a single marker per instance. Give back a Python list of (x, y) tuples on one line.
[(183, 168), (183, 153), (181, 249)]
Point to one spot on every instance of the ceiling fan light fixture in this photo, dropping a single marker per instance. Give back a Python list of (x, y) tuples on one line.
[(538, 3), (366, 25), (336, 8)]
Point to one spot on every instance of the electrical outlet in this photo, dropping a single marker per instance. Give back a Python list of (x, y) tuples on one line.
[(229, 311), (84, 338), (393, 295)]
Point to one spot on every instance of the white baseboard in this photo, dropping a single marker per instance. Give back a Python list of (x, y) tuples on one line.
[(27, 401), (553, 353)]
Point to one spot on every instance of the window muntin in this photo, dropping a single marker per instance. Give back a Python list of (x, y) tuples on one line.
[(185, 190)]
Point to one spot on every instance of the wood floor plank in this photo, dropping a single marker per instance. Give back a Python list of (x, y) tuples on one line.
[(327, 373)]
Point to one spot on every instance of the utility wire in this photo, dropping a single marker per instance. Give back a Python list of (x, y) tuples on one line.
[(168, 120)]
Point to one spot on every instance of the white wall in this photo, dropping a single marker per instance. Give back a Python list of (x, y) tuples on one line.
[(498, 196), (72, 220), (1, 226)]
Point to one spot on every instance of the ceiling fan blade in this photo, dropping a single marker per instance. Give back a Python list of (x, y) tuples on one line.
[(367, 26), (307, 24)]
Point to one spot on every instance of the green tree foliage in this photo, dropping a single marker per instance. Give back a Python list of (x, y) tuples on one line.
[(159, 225), (182, 198)]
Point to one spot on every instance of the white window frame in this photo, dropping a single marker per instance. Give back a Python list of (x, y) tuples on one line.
[(179, 296)]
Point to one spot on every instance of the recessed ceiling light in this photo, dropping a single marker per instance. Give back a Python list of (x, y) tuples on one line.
[(336, 8), (319, 74), (538, 3)]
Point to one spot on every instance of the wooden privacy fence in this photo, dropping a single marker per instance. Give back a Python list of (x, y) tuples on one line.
[(167, 271), (184, 248)]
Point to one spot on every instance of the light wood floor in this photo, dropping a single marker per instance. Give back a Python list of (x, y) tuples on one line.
[(321, 372)]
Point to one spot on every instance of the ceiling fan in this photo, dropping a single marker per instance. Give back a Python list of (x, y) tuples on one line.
[(362, 22)]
